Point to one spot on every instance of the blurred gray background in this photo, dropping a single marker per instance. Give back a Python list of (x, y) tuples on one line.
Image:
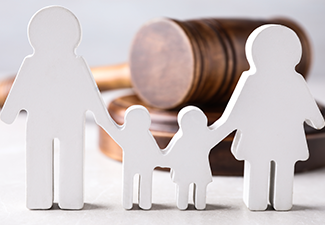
[(109, 26)]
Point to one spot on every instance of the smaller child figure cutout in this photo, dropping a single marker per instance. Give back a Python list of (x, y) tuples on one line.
[(188, 156), (268, 108), (56, 88)]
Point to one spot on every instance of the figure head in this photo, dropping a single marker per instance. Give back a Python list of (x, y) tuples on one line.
[(137, 117), (269, 45), (192, 118), (54, 28)]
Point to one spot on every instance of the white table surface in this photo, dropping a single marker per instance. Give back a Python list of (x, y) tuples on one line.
[(103, 190)]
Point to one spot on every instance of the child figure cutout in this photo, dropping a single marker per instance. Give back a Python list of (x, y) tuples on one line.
[(46, 88), (188, 156), (141, 155), (268, 108)]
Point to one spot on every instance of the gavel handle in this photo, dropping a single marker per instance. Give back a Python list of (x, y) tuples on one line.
[(112, 77), (106, 77)]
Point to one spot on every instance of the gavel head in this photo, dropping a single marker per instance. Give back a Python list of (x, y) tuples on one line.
[(174, 63)]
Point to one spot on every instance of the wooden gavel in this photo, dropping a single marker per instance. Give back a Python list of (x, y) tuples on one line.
[(173, 63)]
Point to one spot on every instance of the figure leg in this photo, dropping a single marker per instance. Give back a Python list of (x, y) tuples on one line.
[(281, 197), (127, 188), (145, 190), (256, 177), (182, 195), (200, 196), (272, 176), (39, 171), (71, 172)]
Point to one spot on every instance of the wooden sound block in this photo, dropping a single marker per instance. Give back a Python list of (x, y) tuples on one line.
[(164, 126)]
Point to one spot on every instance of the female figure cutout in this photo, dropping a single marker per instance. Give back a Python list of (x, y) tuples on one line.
[(268, 108)]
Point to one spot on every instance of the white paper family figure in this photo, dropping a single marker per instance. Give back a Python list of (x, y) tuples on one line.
[(141, 155), (268, 108), (188, 156), (56, 88)]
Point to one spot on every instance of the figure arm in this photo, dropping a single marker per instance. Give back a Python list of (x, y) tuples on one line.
[(316, 119), (171, 151), (229, 121), (18, 96), (235, 114), (172, 143), (222, 128), (313, 116), (96, 104)]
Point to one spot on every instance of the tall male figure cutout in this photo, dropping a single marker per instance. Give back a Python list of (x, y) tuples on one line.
[(56, 88), (268, 108)]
